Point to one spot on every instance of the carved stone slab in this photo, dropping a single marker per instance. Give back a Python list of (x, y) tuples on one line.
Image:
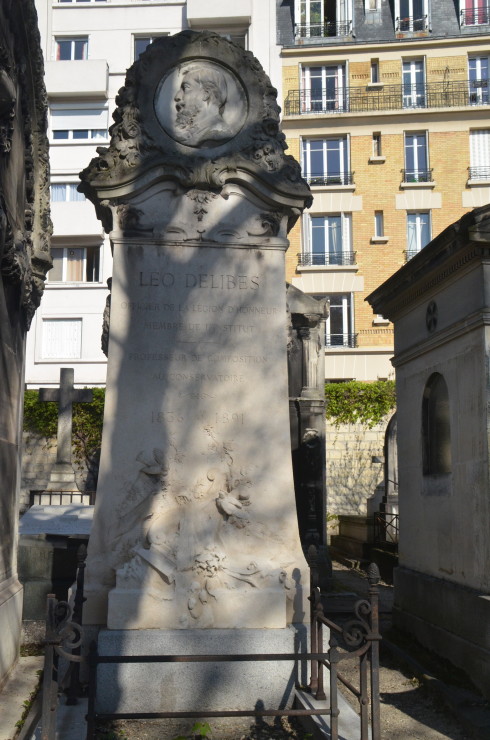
[(195, 521)]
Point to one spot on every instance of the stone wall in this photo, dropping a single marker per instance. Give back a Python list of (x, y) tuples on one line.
[(352, 477)]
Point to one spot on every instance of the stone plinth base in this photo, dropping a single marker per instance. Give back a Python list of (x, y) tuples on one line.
[(134, 687), (10, 625), (447, 618)]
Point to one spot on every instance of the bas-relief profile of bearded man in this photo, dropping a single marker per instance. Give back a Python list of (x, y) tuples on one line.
[(200, 103)]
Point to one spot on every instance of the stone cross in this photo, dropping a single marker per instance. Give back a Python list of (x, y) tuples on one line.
[(65, 396)]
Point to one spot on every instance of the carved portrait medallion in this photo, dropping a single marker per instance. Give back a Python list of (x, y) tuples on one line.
[(200, 104)]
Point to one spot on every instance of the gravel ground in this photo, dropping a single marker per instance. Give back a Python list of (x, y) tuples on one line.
[(408, 710)]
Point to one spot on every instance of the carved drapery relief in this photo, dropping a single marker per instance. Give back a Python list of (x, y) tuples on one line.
[(190, 548)]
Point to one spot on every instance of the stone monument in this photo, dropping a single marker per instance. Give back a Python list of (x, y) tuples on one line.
[(195, 528), (24, 259), (439, 304), (62, 476)]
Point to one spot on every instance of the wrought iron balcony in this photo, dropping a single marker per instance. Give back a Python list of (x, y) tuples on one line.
[(417, 175), (409, 253), (410, 24), (475, 17), (332, 178), (479, 173), (340, 340), (322, 259), (323, 30), (362, 99)]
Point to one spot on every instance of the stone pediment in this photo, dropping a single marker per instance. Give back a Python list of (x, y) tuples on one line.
[(199, 112)]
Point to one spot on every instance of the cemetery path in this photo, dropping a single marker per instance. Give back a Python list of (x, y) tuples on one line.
[(409, 711)]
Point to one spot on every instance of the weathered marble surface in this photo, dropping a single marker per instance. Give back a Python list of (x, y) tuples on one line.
[(195, 522)]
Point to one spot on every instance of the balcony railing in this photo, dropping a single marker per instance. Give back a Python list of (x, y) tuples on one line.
[(475, 17), (410, 24), (332, 178), (409, 253), (323, 30), (361, 99), (322, 259), (341, 340), (479, 173), (417, 175)]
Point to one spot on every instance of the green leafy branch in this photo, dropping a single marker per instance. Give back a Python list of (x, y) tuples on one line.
[(359, 402)]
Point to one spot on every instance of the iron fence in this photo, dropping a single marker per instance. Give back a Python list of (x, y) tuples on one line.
[(364, 99), (310, 259), (323, 30), (410, 23), (386, 527), (341, 340), (330, 178), (475, 17), (417, 175), (479, 173), (410, 253), (58, 498)]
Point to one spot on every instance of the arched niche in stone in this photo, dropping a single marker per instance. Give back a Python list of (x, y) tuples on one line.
[(436, 427)]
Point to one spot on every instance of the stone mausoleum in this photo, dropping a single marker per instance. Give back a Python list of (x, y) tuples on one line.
[(439, 303)]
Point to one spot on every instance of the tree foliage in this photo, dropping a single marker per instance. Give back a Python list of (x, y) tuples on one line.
[(359, 402)]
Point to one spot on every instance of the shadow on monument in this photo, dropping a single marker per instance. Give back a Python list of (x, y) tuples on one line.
[(195, 544)]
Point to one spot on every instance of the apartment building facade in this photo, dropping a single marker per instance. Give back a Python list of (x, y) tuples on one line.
[(386, 104), (87, 46)]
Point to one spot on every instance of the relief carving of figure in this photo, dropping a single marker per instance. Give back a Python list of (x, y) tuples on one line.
[(200, 103)]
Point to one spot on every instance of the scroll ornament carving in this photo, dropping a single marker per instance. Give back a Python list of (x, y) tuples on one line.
[(258, 147)]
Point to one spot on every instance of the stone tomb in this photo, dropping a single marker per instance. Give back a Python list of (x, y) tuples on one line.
[(439, 304), (195, 522)]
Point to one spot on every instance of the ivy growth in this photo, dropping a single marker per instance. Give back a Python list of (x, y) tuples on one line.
[(359, 402), (42, 418)]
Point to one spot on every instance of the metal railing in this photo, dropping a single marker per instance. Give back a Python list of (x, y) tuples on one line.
[(58, 498), (417, 175), (331, 178), (363, 99), (386, 527), (408, 24), (409, 253), (475, 17), (309, 259), (341, 340), (358, 637), (323, 30), (479, 173)]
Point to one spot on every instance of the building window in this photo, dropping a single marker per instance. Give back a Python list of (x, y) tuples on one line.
[(418, 232), (62, 192), (322, 18), (75, 265), (436, 427), (142, 42), (416, 158), (411, 15), (78, 124), (61, 339), (379, 228), (377, 151), (480, 154), (374, 71), (71, 49), (82, 1), (478, 80), (326, 161), (328, 240), (339, 326), (413, 83), (323, 89), (475, 12)]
